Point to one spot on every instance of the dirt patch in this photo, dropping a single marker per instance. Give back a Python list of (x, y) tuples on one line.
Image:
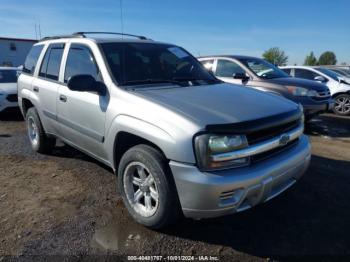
[(66, 204)]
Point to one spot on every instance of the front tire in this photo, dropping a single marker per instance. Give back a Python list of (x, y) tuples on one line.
[(39, 141), (342, 105), (147, 187)]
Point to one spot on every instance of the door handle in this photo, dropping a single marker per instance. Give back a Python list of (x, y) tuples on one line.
[(36, 89), (63, 98)]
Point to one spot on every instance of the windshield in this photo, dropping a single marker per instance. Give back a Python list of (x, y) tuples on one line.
[(263, 69), (339, 72), (8, 76), (150, 63), (329, 73)]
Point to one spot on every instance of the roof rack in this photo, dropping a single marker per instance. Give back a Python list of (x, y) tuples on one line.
[(83, 35), (109, 33)]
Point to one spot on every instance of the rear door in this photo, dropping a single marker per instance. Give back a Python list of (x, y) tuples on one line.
[(46, 85), (82, 114)]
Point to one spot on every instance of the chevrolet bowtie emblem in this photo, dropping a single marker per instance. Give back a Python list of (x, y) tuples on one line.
[(284, 139)]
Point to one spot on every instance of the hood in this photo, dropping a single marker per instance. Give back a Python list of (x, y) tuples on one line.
[(293, 81), (8, 88), (218, 104)]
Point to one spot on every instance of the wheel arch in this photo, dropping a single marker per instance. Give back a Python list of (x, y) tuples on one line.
[(127, 131), (341, 93), (124, 141), (26, 104)]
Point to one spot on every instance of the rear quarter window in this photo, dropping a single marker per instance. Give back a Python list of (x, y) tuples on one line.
[(287, 70), (32, 59)]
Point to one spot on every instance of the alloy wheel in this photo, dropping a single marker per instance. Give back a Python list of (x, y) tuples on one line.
[(141, 189), (342, 104), (33, 131)]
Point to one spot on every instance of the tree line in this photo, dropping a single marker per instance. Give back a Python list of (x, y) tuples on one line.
[(278, 57)]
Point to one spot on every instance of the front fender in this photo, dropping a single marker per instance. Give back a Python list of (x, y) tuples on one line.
[(172, 147)]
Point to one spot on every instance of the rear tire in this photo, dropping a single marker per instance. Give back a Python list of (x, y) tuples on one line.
[(39, 141), (342, 105), (147, 187)]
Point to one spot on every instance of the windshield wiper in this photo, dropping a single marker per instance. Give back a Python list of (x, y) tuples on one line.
[(149, 81), (191, 79)]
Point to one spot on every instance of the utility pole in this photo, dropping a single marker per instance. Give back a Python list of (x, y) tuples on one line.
[(121, 16)]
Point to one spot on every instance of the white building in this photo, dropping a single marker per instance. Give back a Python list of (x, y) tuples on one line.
[(13, 51)]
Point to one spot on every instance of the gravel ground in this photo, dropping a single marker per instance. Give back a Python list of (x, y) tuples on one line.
[(64, 206)]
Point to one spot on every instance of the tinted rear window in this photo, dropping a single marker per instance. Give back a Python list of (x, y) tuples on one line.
[(50, 67), (304, 73), (32, 59)]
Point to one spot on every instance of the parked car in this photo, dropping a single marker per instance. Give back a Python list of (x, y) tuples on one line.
[(8, 88), (259, 74), (179, 140), (339, 89)]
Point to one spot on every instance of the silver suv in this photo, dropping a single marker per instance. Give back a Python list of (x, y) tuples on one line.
[(180, 141)]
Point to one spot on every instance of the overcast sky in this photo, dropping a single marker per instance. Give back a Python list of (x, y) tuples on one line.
[(202, 27)]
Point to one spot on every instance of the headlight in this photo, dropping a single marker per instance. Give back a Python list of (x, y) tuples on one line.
[(300, 91), (208, 145)]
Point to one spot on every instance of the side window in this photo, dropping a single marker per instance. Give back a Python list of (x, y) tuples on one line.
[(306, 74), (50, 67), (80, 61), (32, 59), (208, 64), (227, 68)]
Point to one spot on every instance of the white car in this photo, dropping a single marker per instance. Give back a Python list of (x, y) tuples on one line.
[(8, 88), (339, 88)]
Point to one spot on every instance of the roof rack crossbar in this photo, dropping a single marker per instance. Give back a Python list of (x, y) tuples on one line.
[(110, 33)]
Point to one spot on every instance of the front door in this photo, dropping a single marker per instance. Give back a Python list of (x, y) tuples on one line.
[(82, 114)]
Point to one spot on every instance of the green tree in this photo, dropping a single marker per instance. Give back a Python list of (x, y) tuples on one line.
[(310, 60), (275, 56), (327, 58)]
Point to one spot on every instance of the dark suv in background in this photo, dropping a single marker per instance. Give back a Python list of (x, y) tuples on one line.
[(259, 74)]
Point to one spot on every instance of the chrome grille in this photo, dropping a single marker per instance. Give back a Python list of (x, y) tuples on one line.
[(268, 133)]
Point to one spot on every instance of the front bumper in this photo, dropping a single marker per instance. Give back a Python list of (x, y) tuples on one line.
[(213, 194), (4, 103), (314, 107)]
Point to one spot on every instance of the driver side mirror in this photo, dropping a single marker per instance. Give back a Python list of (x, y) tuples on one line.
[(320, 79), (241, 76), (86, 83)]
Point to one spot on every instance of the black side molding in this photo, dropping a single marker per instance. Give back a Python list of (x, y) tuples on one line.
[(252, 126)]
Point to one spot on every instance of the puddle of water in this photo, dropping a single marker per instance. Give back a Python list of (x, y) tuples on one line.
[(120, 236), (5, 135)]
